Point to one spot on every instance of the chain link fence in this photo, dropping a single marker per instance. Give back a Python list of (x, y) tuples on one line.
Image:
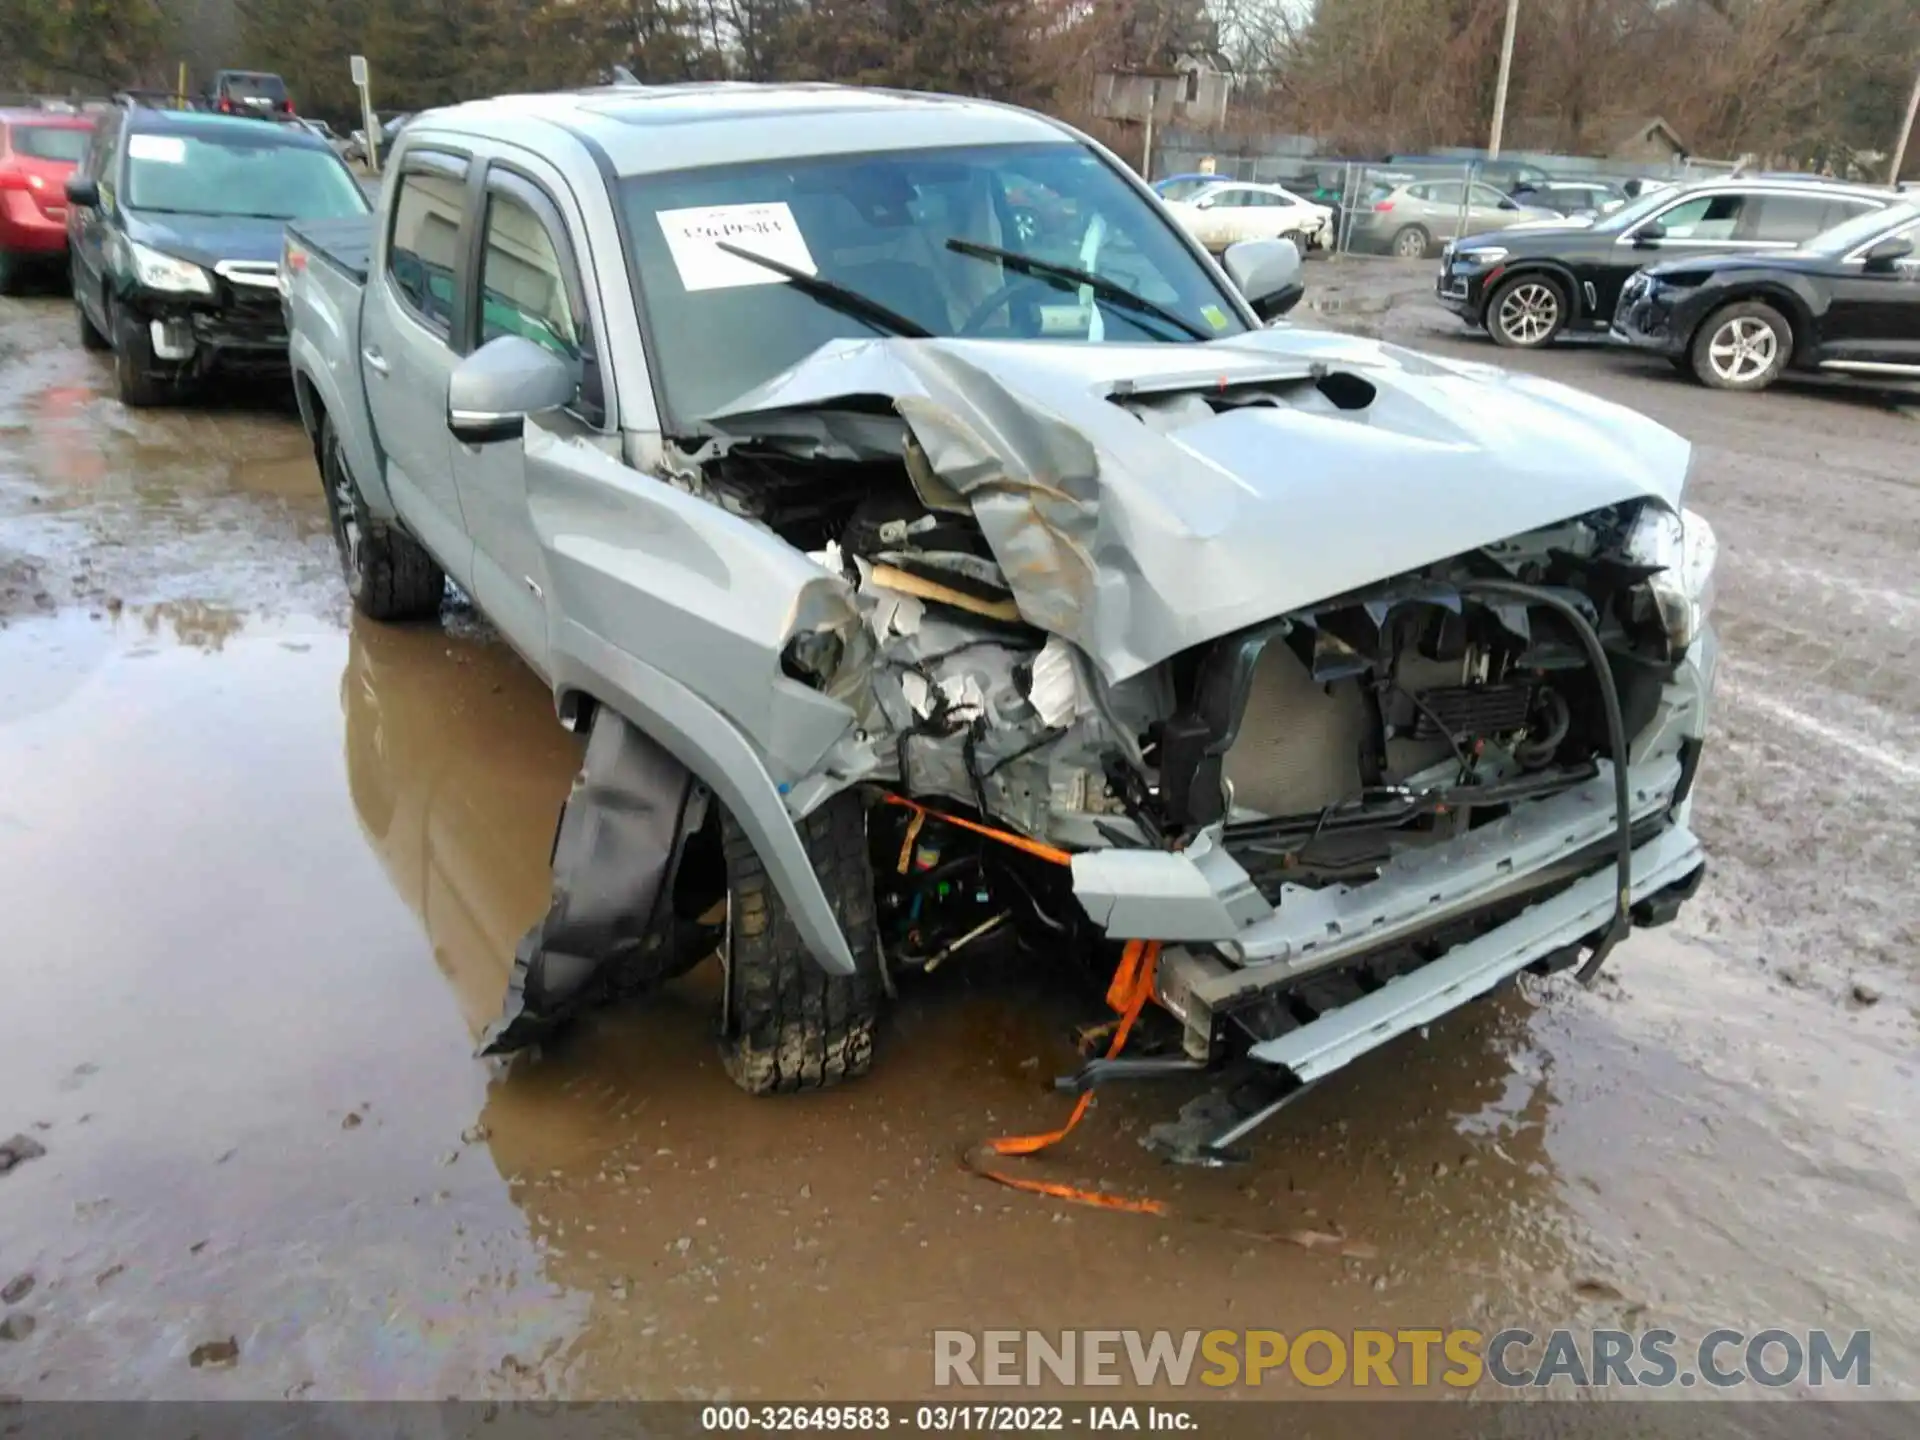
[(1410, 208)]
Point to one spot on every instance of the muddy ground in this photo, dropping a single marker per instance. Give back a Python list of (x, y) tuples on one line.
[(263, 869)]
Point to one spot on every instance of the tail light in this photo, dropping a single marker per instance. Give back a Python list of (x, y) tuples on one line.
[(286, 106), (1382, 206), (226, 106)]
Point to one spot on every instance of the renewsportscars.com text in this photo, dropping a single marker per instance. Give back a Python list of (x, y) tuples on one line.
[(1413, 1358)]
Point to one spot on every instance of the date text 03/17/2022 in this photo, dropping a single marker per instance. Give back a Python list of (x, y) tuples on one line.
[(946, 1419)]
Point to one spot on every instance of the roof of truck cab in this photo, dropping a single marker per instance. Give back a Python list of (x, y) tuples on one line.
[(646, 129)]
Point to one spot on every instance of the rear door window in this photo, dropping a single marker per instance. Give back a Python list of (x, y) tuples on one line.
[(255, 87), (50, 142), (1789, 218), (423, 247), (1705, 217)]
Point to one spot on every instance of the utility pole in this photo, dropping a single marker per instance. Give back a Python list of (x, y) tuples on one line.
[(1146, 155), (1900, 145), (1506, 71)]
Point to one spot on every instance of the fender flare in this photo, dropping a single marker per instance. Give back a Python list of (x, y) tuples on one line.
[(1554, 270), (714, 750), (1779, 294), (317, 394)]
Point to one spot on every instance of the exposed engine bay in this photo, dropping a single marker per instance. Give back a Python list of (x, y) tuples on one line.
[(1347, 691), (1327, 740)]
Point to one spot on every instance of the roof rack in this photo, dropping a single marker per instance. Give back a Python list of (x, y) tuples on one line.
[(156, 100)]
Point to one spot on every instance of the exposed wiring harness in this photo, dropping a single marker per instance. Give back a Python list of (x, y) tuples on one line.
[(1622, 923)]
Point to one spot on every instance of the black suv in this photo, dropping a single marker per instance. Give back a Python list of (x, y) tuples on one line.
[(1528, 284), (174, 228), (1847, 303)]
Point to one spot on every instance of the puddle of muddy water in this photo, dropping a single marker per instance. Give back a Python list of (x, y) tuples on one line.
[(265, 894)]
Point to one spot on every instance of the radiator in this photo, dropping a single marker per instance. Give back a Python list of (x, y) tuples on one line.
[(1298, 749)]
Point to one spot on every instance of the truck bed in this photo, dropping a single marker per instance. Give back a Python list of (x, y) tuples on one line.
[(345, 244)]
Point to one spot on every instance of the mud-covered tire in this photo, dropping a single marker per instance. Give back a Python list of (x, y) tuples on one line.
[(91, 337), (389, 574), (133, 376), (787, 1024)]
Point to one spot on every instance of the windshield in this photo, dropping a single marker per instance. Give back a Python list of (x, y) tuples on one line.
[(1860, 229), (51, 142), (237, 174), (879, 224)]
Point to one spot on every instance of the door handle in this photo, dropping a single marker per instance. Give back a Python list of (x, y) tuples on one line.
[(376, 362)]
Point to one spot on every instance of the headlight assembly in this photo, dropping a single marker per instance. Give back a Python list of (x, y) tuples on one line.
[(1482, 255), (1684, 548), (156, 271)]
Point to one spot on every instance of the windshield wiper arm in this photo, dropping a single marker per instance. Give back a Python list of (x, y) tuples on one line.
[(1070, 276), (835, 295)]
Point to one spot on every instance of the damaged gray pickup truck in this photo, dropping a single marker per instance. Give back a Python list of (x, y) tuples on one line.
[(935, 545)]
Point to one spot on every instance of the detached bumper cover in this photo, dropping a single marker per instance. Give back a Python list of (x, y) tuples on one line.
[(1504, 895), (1472, 969)]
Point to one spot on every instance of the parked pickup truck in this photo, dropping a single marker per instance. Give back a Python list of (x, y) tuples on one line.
[(925, 578)]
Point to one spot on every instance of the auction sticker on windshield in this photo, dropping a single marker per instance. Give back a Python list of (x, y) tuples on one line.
[(168, 149), (694, 236)]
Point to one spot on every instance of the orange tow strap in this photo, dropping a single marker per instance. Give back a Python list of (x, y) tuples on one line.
[(1128, 994), (1005, 837)]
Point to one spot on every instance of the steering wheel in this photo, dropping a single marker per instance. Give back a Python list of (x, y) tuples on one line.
[(1006, 290)]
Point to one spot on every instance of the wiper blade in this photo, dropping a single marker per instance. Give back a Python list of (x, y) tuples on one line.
[(834, 295), (1070, 276)]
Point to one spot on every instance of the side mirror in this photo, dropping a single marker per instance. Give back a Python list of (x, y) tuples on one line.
[(1888, 253), (1507, 202), (1648, 233), (1267, 272), (82, 193), (493, 390), (1205, 202)]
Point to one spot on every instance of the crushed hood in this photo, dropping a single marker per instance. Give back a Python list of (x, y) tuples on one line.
[(1136, 520)]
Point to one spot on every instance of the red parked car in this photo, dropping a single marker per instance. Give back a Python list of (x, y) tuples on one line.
[(38, 150)]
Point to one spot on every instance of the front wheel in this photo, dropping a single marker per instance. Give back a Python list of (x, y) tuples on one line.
[(1527, 313), (787, 1024), (1742, 347), (389, 574), (9, 273), (91, 337), (133, 373)]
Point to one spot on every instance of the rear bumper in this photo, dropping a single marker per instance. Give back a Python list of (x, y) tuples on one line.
[(1435, 928), (26, 229)]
